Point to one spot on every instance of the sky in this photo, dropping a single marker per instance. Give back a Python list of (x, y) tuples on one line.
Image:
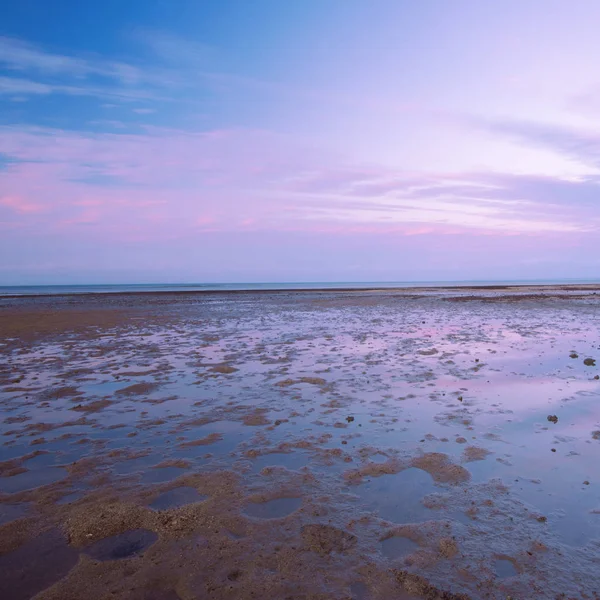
[(313, 140)]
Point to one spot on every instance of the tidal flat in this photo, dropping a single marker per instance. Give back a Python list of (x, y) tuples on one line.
[(371, 444)]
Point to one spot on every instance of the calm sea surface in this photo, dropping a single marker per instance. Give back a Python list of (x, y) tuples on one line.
[(37, 290)]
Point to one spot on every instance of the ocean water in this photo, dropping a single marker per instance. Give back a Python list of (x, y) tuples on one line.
[(57, 290)]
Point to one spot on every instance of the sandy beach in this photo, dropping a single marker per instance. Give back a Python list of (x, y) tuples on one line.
[(372, 444)]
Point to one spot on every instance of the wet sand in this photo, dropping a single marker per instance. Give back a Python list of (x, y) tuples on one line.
[(372, 444)]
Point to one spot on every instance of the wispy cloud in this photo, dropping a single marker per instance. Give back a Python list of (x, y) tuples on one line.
[(25, 87), (174, 49), (15, 85), (144, 111), (226, 179), (173, 69), (578, 144), (33, 70), (19, 55)]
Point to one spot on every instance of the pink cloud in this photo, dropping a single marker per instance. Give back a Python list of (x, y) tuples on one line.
[(168, 182), (88, 216), (20, 205)]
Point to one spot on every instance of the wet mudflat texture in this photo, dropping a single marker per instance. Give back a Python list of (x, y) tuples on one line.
[(375, 444)]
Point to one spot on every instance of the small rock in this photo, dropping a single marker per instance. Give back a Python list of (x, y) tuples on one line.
[(553, 449), (596, 376), (542, 519), (349, 419), (460, 398), (589, 362), (553, 418), (586, 482), (574, 355)]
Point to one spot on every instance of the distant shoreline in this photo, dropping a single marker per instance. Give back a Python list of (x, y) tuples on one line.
[(402, 289)]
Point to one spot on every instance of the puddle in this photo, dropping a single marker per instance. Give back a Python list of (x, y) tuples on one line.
[(103, 388), (124, 545), (378, 458), (35, 566), (140, 465), (359, 591), (72, 497), (504, 568), (177, 497), (30, 480), (11, 512), (397, 498), (47, 459), (161, 475), (398, 547), (273, 509)]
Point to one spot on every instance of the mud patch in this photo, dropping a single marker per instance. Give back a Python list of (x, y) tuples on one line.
[(415, 584), (256, 418), (441, 468), (62, 392), (310, 380), (473, 453), (224, 369), (448, 547), (205, 441), (137, 389), (92, 407), (325, 539), (374, 469)]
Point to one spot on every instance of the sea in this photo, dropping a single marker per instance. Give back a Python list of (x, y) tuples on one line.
[(121, 288)]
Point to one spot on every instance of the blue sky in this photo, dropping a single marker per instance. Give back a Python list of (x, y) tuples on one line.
[(316, 141)]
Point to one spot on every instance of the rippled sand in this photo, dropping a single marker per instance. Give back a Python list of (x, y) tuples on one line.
[(371, 445)]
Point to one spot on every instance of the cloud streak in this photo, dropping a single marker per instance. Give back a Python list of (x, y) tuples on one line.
[(230, 178), (18, 55), (32, 70), (579, 145)]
